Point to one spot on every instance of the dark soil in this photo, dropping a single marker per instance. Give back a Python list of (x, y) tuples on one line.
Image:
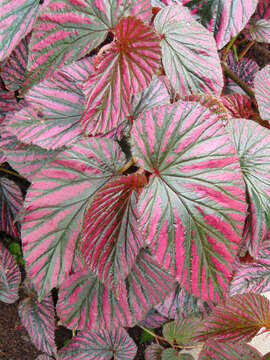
[(15, 343)]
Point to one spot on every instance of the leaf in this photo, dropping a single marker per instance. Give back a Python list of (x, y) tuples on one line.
[(245, 69), (127, 66), (142, 9), (85, 302), (44, 357), (8, 103), (180, 304), (262, 92), (153, 320), (259, 22), (13, 70), (238, 320), (111, 238), (153, 352), (252, 144), (261, 31), (218, 16), (55, 205), (215, 350), (100, 345), (17, 19), (38, 319), (239, 106), (182, 53), (11, 202), (192, 212), (169, 354), (252, 277), (181, 331), (10, 277)]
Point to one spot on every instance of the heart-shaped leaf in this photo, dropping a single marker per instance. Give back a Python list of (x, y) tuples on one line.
[(111, 239), (11, 202), (238, 320), (17, 18), (38, 319), (192, 212), (219, 17), (153, 352), (127, 66), (252, 142), (262, 92), (182, 52), (10, 277), (100, 345), (180, 304), (215, 350), (55, 205), (85, 302)]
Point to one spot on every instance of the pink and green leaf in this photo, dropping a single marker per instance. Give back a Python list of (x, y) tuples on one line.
[(126, 67), (85, 302), (111, 238), (10, 277), (262, 92), (153, 319), (55, 205), (182, 53), (153, 352), (13, 70), (11, 203), (215, 350), (17, 19), (44, 357), (181, 331), (192, 212), (219, 16), (179, 304), (239, 106), (8, 103), (100, 345), (38, 319), (238, 320), (252, 142)]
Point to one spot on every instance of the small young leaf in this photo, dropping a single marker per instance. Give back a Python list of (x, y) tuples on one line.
[(111, 238), (85, 302), (219, 16), (127, 67), (10, 277), (238, 320), (11, 203), (186, 209), (38, 319), (17, 18), (153, 352), (182, 53), (215, 350), (262, 92), (100, 345), (181, 331), (55, 205)]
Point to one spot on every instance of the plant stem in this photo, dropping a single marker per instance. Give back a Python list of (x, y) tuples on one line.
[(237, 80), (246, 49), (228, 48), (10, 172), (127, 165)]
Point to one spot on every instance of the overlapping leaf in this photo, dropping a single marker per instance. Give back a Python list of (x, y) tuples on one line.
[(13, 70), (38, 319), (252, 142), (261, 31), (180, 304), (127, 66), (153, 352), (11, 202), (53, 120), (100, 345), (85, 302), (239, 106), (262, 92), (181, 330), (259, 23), (10, 277), (215, 350), (193, 210), (111, 239), (238, 320), (183, 51), (219, 16), (55, 205), (153, 319), (8, 103), (17, 18)]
